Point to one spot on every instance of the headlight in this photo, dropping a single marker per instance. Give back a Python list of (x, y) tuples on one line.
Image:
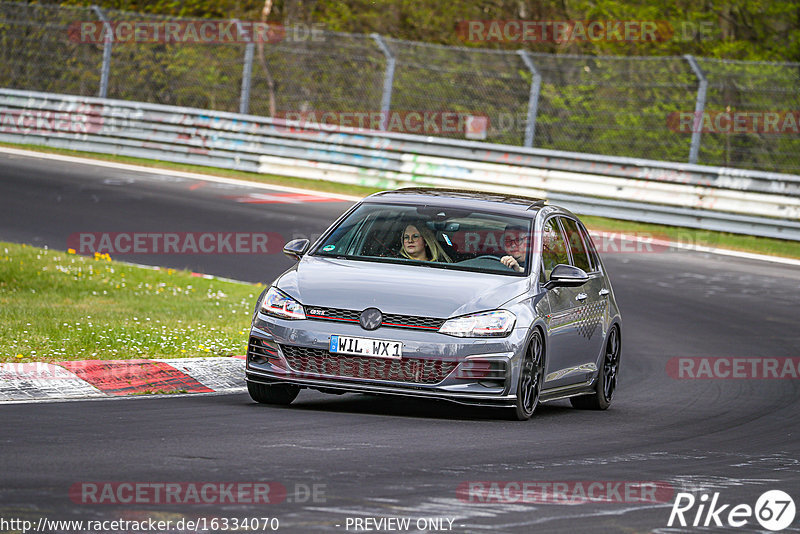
[(487, 324), (278, 304)]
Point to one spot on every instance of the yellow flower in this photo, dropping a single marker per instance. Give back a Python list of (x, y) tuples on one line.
[(19, 356), (70, 251)]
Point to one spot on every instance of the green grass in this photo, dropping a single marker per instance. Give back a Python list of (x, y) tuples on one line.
[(60, 306), (745, 243)]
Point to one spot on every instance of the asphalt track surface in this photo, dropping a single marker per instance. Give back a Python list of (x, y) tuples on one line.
[(376, 457)]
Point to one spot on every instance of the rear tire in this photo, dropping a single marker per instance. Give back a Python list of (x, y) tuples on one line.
[(606, 379), (282, 394), (531, 376)]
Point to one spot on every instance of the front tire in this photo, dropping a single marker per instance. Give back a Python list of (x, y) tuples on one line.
[(606, 379), (282, 394), (531, 376)]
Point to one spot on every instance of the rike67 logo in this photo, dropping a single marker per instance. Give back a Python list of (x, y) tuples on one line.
[(774, 510)]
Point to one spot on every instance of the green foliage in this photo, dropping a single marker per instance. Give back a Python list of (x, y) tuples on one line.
[(598, 96), (731, 29), (211, 9)]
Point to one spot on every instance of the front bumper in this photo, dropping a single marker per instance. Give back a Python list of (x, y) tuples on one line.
[(472, 371)]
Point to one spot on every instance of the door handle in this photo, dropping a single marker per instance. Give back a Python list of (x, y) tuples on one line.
[(604, 292), (581, 297)]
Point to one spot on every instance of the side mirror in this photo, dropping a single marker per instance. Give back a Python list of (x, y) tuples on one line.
[(296, 248), (566, 276)]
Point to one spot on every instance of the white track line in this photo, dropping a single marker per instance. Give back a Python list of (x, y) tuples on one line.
[(171, 172), (709, 250), (350, 198), (54, 400)]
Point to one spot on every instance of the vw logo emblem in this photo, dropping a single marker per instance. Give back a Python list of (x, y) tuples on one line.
[(370, 319)]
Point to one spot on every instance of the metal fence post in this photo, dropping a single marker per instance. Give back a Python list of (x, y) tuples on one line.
[(699, 108), (533, 98), (247, 69), (108, 38), (388, 80)]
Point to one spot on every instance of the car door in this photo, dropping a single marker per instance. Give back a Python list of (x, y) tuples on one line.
[(563, 344), (591, 297), (603, 285)]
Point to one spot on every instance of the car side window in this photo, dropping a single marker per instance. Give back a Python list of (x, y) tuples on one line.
[(590, 249), (554, 248), (580, 258)]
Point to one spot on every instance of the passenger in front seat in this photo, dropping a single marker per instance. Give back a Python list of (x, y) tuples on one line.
[(419, 243)]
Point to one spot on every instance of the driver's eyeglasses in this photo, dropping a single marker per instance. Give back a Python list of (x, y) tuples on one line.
[(510, 242), (412, 237)]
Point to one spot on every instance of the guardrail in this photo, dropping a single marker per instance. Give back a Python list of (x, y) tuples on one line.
[(694, 196)]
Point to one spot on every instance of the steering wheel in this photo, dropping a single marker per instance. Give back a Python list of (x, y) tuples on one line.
[(496, 258), (382, 245)]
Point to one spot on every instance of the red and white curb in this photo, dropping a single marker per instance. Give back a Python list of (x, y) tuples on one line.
[(38, 381)]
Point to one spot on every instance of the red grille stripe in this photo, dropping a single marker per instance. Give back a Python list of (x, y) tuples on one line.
[(332, 318)]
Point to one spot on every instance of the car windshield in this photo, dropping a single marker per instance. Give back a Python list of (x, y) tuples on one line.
[(432, 236)]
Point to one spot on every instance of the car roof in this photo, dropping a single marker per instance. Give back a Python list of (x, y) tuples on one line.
[(461, 198)]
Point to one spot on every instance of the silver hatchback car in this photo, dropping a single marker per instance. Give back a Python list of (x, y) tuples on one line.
[(472, 297)]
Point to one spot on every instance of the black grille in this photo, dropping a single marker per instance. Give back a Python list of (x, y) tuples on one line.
[(412, 321), (322, 362), (390, 320), (258, 351), (477, 369)]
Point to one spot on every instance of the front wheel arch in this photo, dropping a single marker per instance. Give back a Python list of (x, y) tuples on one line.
[(530, 377)]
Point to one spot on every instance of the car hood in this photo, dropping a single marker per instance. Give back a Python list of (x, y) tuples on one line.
[(400, 289)]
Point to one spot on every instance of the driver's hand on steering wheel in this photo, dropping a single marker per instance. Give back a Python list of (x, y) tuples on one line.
[(511, 263)]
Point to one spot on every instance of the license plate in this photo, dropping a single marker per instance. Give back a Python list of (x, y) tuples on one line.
[(360, 346)]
